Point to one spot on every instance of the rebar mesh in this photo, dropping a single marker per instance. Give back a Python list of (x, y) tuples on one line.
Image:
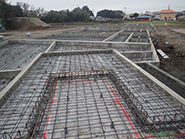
[(86, 102), (17, 56)]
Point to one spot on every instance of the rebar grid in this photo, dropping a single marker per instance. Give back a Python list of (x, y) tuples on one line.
[(87, 109), (4, 82), (139, 40), (170, 116), (15, 112), (166, 79), (82, 46), (141, 34), (120, 38), (83, 38), (17, 56), (82, 35)]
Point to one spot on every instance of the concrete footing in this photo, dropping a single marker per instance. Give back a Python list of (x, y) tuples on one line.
[(175, 84)]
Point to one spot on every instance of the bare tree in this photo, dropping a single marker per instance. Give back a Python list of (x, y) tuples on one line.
[(25, 7)]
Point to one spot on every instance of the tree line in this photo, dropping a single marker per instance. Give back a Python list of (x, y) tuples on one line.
[(77, 14), (8, 12), (111, 14)]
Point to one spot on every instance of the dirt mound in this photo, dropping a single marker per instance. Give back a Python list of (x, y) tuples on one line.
[(29, 23)]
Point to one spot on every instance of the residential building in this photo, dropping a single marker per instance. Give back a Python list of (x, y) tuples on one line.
[(181, 18), (143, 18), (157, 15), (168, 15), (99, 18)]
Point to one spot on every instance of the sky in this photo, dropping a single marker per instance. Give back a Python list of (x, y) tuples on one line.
[(130, 6)]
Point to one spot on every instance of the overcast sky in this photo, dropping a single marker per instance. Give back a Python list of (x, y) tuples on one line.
[(97, 5)]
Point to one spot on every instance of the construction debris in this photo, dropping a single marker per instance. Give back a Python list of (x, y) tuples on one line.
[(162, 53)]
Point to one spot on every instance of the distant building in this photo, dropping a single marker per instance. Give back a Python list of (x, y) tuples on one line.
[(127, 17), (179, 14), (91, 18), (168, 15), (183, 12), (143, 18), (181, 18), (99, 18), (157, 15)]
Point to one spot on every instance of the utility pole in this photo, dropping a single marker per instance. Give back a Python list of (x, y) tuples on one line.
[(125, 9)]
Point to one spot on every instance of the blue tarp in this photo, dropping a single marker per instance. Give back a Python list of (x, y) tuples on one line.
[(143, 17)]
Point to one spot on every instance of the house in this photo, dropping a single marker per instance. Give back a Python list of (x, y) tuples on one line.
[(91, 18), (168, 15), (143, 18), (179, 14), (183, 12), (100, 19), (126, 17), (157, 15), (181, 18)]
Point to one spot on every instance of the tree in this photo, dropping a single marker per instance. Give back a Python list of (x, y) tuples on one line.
[(18, 11), (86, 8), (25, 7), (6, 12), (133, 16), (9, 12), (80, 15), (111, 14), (77, 14), (32, 12)]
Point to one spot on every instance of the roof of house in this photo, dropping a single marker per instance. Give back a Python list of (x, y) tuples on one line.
[(143, 17), (156, 12), (168, 11)]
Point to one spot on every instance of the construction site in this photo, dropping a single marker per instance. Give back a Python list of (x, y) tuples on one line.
[(100, 81)]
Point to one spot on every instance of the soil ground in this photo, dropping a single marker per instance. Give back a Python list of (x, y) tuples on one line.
[(175, 36), (37, 31)]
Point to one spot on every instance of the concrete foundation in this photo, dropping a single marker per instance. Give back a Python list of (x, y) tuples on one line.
[(139, 27), (90, 89), (87, 65), (9, 73), (80, 35), (175, 84), (17, 54)]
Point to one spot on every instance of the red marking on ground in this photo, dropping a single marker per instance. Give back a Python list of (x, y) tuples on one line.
[(44, 135), (83, 81), (118, 102), (53, 98), (154, 136)]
